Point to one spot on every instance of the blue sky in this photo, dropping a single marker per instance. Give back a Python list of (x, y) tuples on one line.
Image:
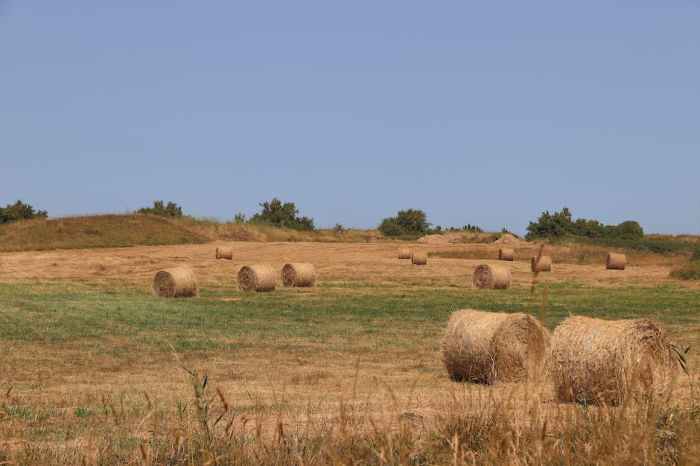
[(477, 112)]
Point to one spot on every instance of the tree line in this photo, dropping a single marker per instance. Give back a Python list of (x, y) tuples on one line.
[(406, 223)]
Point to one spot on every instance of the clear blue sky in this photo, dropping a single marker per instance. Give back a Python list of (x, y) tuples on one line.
[(477, 112)]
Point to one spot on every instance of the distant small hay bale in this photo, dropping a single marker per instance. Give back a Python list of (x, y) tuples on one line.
[(616, 261), (224, 253), (544, 264), (605, 361), (404, 253), (419, 258), (489, 347), (178, 282), (506, 254), (258, 277), (492, 277), (298, 275)]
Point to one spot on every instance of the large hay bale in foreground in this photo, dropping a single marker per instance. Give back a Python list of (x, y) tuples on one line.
[(299, 274), (224, 253), (178, 282), (258, 277), (616, 261), (506, 254), (404, 253), (605, 361), (419, 258), (543, 265), (489, 347), (492, 277)]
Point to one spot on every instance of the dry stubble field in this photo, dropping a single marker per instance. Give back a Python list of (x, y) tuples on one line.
[(91, 363)]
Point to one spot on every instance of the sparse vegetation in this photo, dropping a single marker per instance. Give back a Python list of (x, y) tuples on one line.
[(170, 209), (690, 270), (19, 211)]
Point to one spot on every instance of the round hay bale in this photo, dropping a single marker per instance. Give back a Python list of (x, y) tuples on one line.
[(404, 253), (605, 361), (616, 261), (224, 253), (419, 258), (259, 277), (298, 275), (544, 264), (489, 347), (492, 277), (178, 282), (506, 254)]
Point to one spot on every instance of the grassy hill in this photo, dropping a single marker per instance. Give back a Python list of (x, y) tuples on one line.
[(98, 231), (108, 231)]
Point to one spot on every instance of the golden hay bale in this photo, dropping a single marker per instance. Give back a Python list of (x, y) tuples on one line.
[(298, 274), (604, 361), (616, 261), (489, 347), (492, 276), (224, 253), (544, 264), (506, 254), (419, 258), (404, 253), (178, 282), (258, 277)]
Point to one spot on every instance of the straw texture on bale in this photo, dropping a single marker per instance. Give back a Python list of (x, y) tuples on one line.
[(492, 276), (506, 254), (259, 277), (178, 282), (603, 361), (489, 347), (298, 274), (419, 258), (616, 261), (224, 253), (404, 253), (543, 265)]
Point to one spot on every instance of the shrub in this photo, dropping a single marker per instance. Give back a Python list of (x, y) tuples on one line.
[(406, 222), (19, 211), (239, 218), (285, 215), (561, 224), (160, 208)]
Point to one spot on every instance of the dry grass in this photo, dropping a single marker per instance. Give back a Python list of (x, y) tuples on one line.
[(213, 231), (365, 263), (97, 231), (347, 371)]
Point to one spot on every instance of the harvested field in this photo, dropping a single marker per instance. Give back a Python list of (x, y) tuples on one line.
[(84, 337), (370, 263)]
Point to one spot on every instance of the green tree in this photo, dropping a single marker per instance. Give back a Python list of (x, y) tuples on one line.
[(406, 222), (282, 214), (170, 209), (19, 211), (629, 230), (561, 224)]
